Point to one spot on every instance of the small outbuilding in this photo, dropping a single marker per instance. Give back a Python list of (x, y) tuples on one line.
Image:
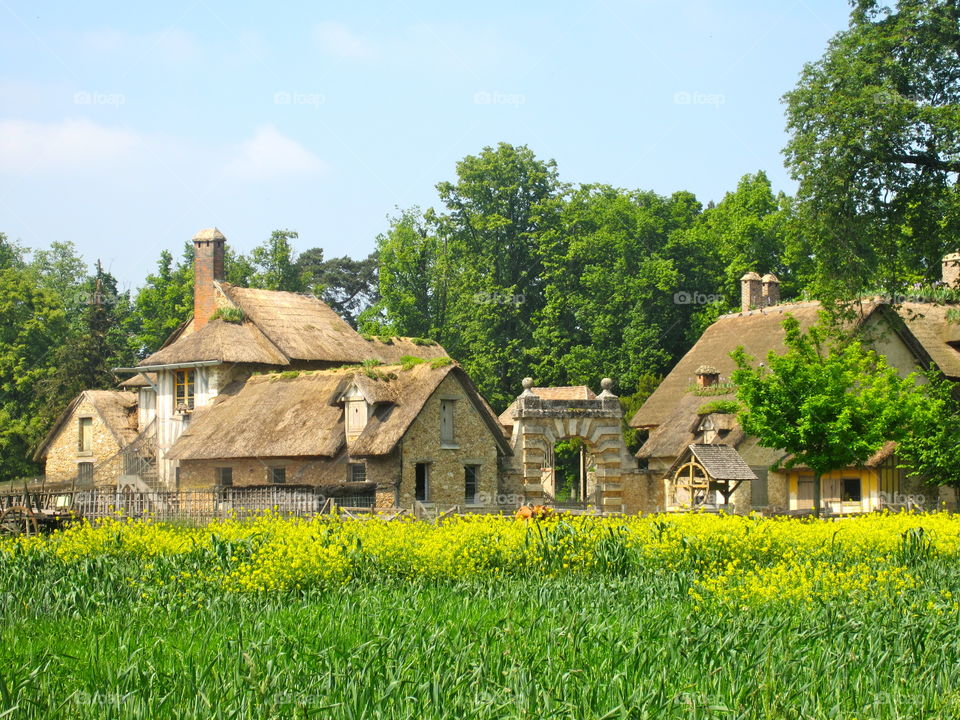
[(705, 476)]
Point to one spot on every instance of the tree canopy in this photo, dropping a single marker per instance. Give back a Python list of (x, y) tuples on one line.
[(827, 401), (875, 145)]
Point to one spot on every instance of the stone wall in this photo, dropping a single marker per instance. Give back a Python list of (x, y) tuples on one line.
[(63, 455), (474, 446), (202, 474)]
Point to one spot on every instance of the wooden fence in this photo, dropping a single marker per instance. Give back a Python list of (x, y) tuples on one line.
[(185, 505)]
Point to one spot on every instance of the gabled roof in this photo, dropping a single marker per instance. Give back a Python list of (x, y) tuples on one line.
[(721, 462), (671, 410), (560, 392), (222, 341), (280, 415), (758, 332), (282, 329), (116, 408), (301, 326)]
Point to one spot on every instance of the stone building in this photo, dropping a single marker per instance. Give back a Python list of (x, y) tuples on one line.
[(684, 410), (264, 387), (406, 433), (84, 447)]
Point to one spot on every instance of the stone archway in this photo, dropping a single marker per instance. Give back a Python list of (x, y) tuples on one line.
[(540, 423)]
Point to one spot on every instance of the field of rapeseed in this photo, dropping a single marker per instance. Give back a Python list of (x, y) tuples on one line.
[(692, 616)]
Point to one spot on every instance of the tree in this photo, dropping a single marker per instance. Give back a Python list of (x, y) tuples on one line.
[(748, 230), (930, 449), (413, 277), (275, 264), (348, 286), (164, 302), (32, 326), (875, 146), (615, 274), (827, 401)]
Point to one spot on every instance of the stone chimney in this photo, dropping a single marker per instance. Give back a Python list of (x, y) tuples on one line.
[(951, 269), (771, 289), (750, 292), (208, 249), (707, 376)]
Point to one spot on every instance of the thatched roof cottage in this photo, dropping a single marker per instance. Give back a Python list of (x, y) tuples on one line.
[(684, 411)]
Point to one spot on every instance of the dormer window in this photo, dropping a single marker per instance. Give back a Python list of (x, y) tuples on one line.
[(184, 382), (356, 412)]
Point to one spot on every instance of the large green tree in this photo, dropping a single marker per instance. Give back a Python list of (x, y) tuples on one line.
[(33, 326), (875, 146), (347, 285), (827, 400)]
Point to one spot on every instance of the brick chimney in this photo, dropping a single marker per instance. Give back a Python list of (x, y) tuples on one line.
[(951, 269), (750, 292), (770, 289), (707, 376), (208, 249)]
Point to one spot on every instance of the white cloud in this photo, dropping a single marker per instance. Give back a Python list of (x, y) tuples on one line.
[(338, 40), (28, 147), (270, 154)]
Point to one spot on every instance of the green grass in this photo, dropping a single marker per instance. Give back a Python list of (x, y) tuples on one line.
[(78, 641)]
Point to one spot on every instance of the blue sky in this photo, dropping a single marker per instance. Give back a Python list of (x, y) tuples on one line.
[(125, 127)]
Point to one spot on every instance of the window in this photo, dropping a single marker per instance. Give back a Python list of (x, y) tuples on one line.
[(277, 475), (446, 422), (471, 475), (224, 476), (851, 490), (85, 438), (183, 385), (85, 473), (357, 472), (423, 482)]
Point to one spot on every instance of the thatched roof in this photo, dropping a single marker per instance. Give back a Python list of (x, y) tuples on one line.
[(139, 380), (939, 337), (301, 326), (560, 392), (222, 341), (116, 408), (282, 329), (758, 332), (721, 462), (294, 415), (392, 350), (671, 411)]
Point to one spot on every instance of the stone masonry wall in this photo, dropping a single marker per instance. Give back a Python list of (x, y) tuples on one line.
[(202, 474), (474, 446), (63, 455)]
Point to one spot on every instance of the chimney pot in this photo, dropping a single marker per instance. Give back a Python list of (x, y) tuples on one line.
[(750, 291), (707, 376), (770, 289), (208, 252)]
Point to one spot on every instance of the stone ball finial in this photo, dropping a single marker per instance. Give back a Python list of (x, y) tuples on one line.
[(527, 383), (606, 384)]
